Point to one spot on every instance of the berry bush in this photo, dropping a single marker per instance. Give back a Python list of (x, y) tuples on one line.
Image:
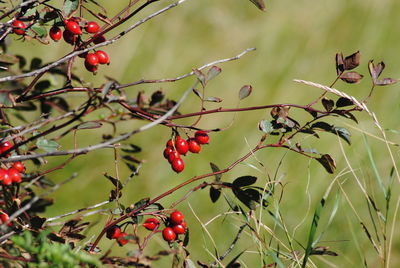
[(42, 122)]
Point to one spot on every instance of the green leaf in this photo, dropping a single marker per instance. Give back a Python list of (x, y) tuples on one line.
[(245, 91), (47, 145), (39, 30), (266, 126), (313, 231), (215, 168), (6, 99), (343, 133), (244, 181), (70, 6), (89, 125), (327, 162)]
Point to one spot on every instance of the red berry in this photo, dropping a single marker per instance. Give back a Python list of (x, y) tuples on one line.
[(181, 145), (92, 59), (90, 68), (19, 166), (183, 223), (69, 37), (55, 33), (201, 137), (4, 217), (73, 27), (99, 39), (167, 152), (14, 175), (179, 229), (151, 224), (168, 234), (103, 57), (170, 143), (121, 240), (5, 146), (172, 156), (178, 165), (5, 177), (3, 174), (92, 27), (19, 27), (194, 146), (176, 217), (113, 232)]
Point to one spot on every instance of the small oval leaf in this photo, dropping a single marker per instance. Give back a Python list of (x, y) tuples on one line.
[(245, 91)]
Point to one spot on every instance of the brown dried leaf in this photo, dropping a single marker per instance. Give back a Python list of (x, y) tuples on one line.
[(386, 82), (375, 71), (339, 63), (327, 162), (352, 61), (328, 104), (351, 77)]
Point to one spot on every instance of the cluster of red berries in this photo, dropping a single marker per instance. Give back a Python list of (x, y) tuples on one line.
[(70, 35), (116, 233), (175, 227), (72, 31), (13, 172), (174, 149)]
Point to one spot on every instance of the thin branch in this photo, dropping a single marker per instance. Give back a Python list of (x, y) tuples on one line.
[(147, 81), (106, 143), (105, 43)]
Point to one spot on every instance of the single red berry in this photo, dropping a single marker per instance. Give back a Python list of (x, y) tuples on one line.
[(173, 155), (14, 175), (121, 240), (92, 59), (55, 33), (176, 217), (4, 217), (99, 39), (19, 27), (151, 224), (179, 229), (90, 68), (194, 146), (181, 145), (178, 165), (73, 27), (167, 152), (19, 166), (92, 27), (5, 146), (170, 143), (113, 232), (183, 223), (168, 234), (201, 137), (3, 173), (69, 37), (5, 177), (103, 57)]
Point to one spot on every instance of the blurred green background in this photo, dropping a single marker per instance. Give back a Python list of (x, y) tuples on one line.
[(294, 39)]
